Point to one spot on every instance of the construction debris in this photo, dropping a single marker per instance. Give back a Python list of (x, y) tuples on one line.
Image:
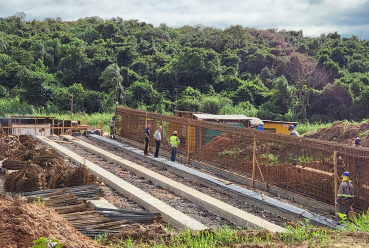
[(100, 220)]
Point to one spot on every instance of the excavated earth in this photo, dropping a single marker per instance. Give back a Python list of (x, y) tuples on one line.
[(342, 133), (22, 222)]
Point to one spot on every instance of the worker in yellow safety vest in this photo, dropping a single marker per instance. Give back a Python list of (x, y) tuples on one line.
[(174, 143)]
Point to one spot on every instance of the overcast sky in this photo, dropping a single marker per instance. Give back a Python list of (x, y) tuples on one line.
[(314, 17)]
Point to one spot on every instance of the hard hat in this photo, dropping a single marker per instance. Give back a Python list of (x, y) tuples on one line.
[(291, 127), (160, 127), (346, 173), (175, 132)]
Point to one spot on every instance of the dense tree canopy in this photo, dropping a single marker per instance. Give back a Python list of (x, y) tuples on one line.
[(267, 73)]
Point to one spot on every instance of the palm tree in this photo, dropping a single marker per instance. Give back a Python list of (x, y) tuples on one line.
[(112, 79), (43, 52), (4, 60), (3, 43)]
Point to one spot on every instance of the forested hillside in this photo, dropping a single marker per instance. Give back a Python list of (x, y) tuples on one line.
[(272, 74)]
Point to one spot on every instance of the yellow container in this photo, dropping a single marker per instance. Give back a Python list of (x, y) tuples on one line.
[(277, 126)]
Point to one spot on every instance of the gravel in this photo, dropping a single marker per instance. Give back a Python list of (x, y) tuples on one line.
[(198, 213), (183, 205)]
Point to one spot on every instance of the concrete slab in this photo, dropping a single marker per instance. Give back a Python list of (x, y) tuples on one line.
[(101, 203), (172, 216), (235, 215)]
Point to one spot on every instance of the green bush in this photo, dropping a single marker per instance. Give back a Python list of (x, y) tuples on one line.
[(47, 243)]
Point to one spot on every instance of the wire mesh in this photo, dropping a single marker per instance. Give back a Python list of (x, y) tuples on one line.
[(295, 164)]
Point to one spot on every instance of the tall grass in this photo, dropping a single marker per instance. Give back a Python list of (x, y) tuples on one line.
[(93, 120), (303, 128), (14, 106)]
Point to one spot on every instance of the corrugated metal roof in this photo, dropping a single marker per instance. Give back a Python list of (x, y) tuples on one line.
[(283, 122), (221, 117)]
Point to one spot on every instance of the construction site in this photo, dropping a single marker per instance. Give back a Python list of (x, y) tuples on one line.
[(225, 175)]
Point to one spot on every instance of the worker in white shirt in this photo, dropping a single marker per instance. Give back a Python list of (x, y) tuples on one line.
[(157, 137)]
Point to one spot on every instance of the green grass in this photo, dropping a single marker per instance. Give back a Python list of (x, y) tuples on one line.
[(94, 120), (303, 128), (303, 233), (359, 223)]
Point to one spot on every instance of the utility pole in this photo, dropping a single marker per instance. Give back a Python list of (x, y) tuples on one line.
[(117, 102), (71, 109), (175, 106)]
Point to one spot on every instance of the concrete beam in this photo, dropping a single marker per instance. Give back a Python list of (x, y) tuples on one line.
[(272, 205), (101, 203), (306, 201), (235, 215)]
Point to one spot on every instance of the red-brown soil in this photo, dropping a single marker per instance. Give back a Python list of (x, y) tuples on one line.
[(342, 133), (21, 223)]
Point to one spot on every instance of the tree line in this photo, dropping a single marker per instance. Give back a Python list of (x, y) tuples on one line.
[(271, 74)]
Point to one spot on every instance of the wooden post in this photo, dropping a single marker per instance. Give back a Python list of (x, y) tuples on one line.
[(188, 141), (53, 127), (267, 161), (71, 111), (253, 163), (63, 127), (10, 126), (19, 122), (35, 126), (200, 137), (145, 135), (335, 179)]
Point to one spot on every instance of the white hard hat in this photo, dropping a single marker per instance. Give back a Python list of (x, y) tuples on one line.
[(175, 132)]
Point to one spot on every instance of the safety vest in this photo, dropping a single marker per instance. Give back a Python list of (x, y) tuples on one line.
[(174, 141)]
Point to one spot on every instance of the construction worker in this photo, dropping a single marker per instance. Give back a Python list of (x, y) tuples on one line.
[(157, 137), (112, 127), (147, 138), (345, 196), (295, 149), (292, 130), (357, 141), (174, 143)]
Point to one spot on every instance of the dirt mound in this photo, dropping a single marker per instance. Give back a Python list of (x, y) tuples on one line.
[(215, 146), (342, 133), (145, 234), (21, 223)]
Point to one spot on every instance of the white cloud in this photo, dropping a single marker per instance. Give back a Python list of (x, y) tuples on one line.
[(313, 16)]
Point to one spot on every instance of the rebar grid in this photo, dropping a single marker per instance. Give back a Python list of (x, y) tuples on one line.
[(300, 165)]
